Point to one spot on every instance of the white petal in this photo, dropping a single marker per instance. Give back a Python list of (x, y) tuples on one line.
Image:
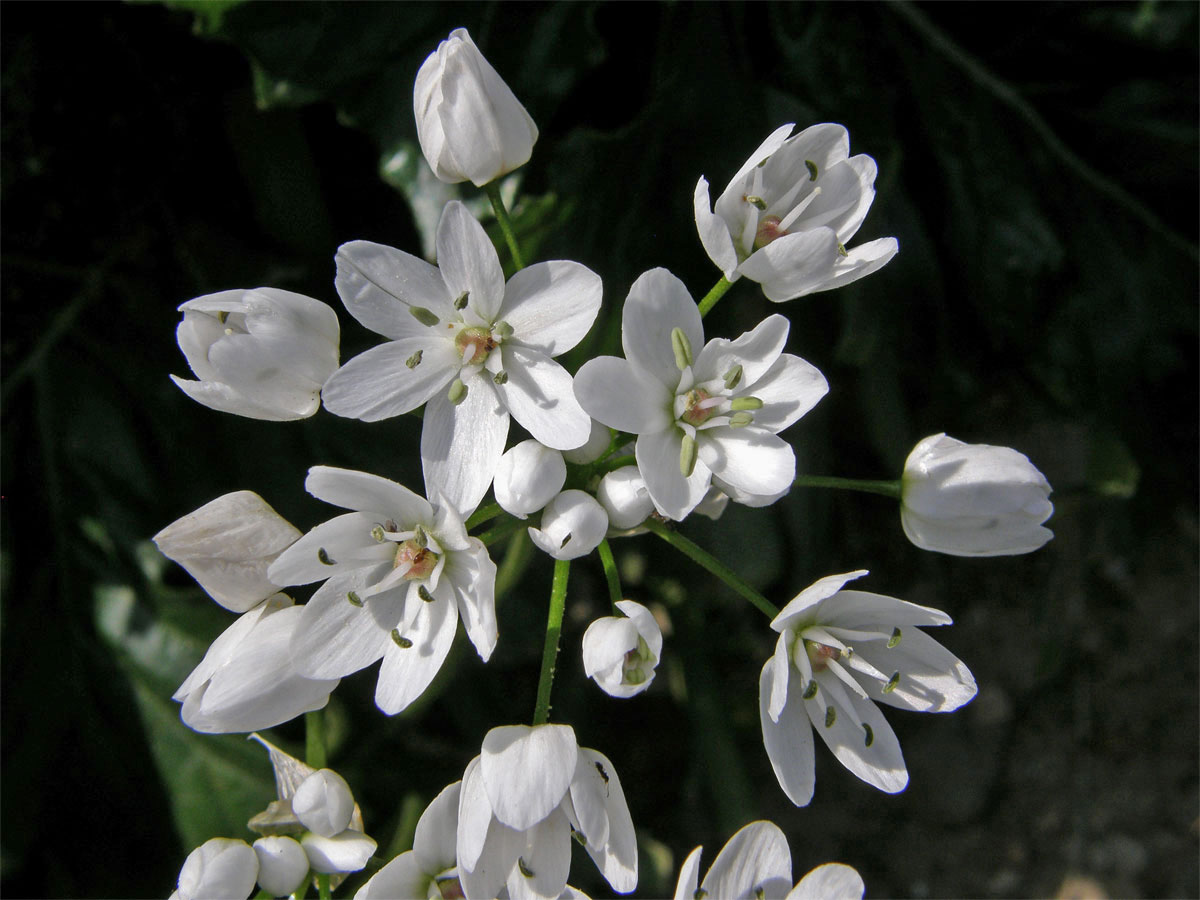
[(380, 384), (323, 803), (263, 372), (689, 876), (756, 862), (474, 814), (748, 459), (932, 679), (807, 599), (528, 477), (591, 450), (573, 525), (788, 390), (282, 864), (219, 869), (657, 457), (617, 856), (469, 262), (540, 395), (755, 351), (657, 304), (589, 787), (794, 264), (764, 151), (527, 771), (368, 493), (861, 261), (613, 392), (346, 852), (462, 445), (402, 877), (495, 863), (347, 545), (335, 637), (880, 764), (547, 855), (223, 398), (434, 841), (714, 232), (647, 625), (832, 881), (781, 669), (863, 610), (788, 740), (227, 545), (379, 284), (552, 305), (472, 577), (407, 671), (625, 498)]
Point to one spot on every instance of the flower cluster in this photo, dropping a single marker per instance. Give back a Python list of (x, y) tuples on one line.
[(682, 423)]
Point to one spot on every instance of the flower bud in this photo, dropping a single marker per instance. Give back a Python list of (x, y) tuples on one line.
[(624, 496), (973, 499), (621, 653), (323, 803), (227, 546), (470, 124), (597, 442), (219, 869), (573, 525), (282, 865), (528, 477), (261, 353)]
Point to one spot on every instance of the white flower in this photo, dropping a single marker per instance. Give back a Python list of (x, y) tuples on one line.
[(621, 652), (598, 442), (400, 572), (262, 353), (246, 680), (786, 216), (701, 417), (573, 525), (323, 803), (219, 869), (472, 347), (837, 652), (282, 864), (227, 546), (973, 499), (428, 869), (528, 477), (756, 864), (470, 124), (623, 494), (520, 801)]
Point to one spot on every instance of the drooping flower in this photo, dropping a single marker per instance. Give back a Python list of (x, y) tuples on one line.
[(522, 799), (473, 348), (282, 864), (227, 545), (838, 653), (787, 215), (624, 496), (973, 499), (470, 125), (756, 864), (620, 653), (700, 417), (573, 525), (219, 869), (529, 476), (246, 680), (398, 572), (261, 353)]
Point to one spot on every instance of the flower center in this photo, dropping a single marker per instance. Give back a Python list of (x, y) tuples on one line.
[(769, 229), (474, 344), (417, 561), (820, 655), (633, 670), (696, 411)]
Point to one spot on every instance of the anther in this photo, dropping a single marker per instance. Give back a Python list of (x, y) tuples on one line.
[(423, 593), (733, 377), (222, 315), (830, 716), (892, 682), (870, 738), (810, 690), (402, 642), (415, 360), (502, 330), (525, 870), (745, 403), (740, 419), (500, 377), (423, 315), (682, 348), (759, 893), (687, 456), (324, 557), (460, 302), (756, 202), (842, 249), (812, 169), (420, 538), (894, 639), (699, 894), (458, 392), (354, 599), (377, 533)]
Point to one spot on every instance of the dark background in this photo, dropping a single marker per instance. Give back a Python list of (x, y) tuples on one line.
[(1038, 166)]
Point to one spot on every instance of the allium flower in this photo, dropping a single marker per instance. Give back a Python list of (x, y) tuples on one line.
[(701, 417), (400, 572), (246, 680), (597, 445), (520, 802), (219, 869), (620, 653), (261, 353), (529, 476), (227, 546), (756, 864), (623, 494), (973, 499), (470, 124), (787, 215), (573, 525), (282, 864), (837, 652), (474, 348)]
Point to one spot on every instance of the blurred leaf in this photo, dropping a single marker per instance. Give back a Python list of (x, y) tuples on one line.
[(1111, 469), (208, 13)]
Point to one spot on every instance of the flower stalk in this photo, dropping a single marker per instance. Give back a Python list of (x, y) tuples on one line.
[(610, 573), (558, 603), (314, 738), (493, 192), (885, 487), (709, 300)]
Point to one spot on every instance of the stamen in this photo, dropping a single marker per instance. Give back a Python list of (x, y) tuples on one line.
[(525, 870), (423, 593), (402, 642), (458, 392), (812, 169), (830, 716), (870, 738), (354, 599), (700, 893), (810, 690), (502, 330), (791, 217), (323, 556), (566, 540), (377, 533), (740, 420), (460, 302), (755, 201), (425, 316), (733, 377), (894, 639), (500, 377), (687, 456), (892, 682), (682, 348), (415, 360), (842, 249), (746, 403)]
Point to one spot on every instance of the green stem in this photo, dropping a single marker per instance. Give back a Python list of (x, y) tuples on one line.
[(886, 488), (484, 514), (610, 573), (314, 738), (493, 191), (501, 531), (712, 564), (512, 567), (323, 890), (558, 603), (709, 300)]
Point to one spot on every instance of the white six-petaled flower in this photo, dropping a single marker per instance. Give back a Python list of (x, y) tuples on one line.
[(787, 215), (702, 412), (399, 572), (262, 353), (620, 653), (839, 652), (473, 348)]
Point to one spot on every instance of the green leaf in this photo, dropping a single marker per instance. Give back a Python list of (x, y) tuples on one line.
[(1111, 469)]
